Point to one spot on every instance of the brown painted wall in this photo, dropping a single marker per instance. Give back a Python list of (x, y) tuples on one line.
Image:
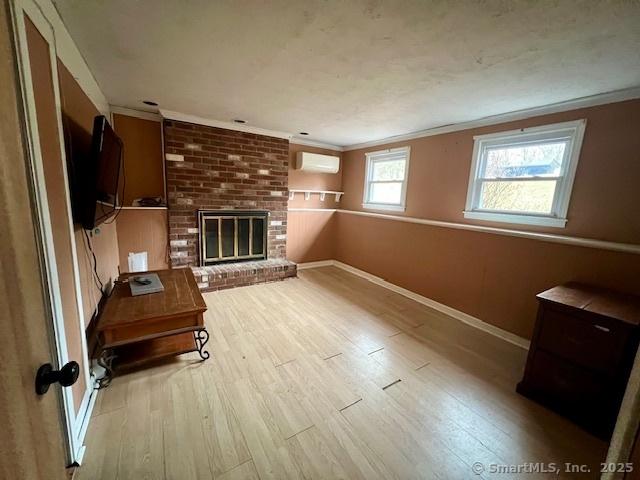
[(56, 197), (311, 235), (609, 162), (143, 230), (78, 113), (104, 241), (299, 180), (143, 163), (493, 277)]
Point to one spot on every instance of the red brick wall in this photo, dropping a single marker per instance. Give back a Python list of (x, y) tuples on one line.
[(223, 170)]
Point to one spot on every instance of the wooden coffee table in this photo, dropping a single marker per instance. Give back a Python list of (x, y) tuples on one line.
[(134, 330)]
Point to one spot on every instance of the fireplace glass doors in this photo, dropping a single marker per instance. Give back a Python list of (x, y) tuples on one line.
[(230, 236)]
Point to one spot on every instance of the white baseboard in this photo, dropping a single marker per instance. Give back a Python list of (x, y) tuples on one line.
[(318, 264), (452, 312)]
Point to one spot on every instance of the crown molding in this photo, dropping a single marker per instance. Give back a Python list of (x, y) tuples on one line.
[(131, 112), (583, 102), (240, 127), (311, 143)]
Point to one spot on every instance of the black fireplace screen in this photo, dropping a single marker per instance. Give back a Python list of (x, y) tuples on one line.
[(227, 236)]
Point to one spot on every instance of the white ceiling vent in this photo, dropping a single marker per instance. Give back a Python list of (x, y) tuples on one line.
[(315, 162)]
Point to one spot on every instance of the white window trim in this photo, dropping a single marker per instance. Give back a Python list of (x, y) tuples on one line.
[(370, 157), (574, 130)]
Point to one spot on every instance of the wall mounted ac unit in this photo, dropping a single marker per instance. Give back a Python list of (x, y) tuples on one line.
[(315, 162)]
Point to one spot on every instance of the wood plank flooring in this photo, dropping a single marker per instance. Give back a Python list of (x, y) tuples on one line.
[(329, 376)]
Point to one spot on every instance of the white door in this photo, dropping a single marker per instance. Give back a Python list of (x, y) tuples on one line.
[(27, 14), (31, 444)]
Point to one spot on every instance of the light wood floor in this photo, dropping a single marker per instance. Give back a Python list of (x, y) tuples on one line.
[(328, 376)]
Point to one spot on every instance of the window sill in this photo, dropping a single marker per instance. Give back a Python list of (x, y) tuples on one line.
[(379, 206), (516, 218)]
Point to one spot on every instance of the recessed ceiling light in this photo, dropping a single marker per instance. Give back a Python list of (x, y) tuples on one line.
[(237, 120), (304, 133), (149, 102)]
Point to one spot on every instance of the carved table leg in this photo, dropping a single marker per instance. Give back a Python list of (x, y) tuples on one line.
[(201, 337)]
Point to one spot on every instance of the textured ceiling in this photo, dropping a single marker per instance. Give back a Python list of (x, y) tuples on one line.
[(354, 71)]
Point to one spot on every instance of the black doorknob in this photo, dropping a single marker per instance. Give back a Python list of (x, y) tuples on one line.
[(66, 376)]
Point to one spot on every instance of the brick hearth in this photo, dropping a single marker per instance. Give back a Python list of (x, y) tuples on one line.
[(223, 169), (240, 274)]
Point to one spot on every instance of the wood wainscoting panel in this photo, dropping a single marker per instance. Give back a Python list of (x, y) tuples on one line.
[(143, 230), (143, 162), (311, 235)]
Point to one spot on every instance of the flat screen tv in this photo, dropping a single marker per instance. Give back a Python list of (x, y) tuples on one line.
[(97, 177)]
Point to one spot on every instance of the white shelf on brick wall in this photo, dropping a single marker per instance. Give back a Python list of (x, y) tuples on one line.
[(322, 193)]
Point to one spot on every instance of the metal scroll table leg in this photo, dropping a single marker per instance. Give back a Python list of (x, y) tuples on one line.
[(201, 337), (105, 360)]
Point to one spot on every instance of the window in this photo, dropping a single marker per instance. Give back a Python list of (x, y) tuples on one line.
[(524, 176), (385, 186)]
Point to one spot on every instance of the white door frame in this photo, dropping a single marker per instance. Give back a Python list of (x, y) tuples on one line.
[(75, 422)]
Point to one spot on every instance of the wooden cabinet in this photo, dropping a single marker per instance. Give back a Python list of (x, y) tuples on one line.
[(581, 354)]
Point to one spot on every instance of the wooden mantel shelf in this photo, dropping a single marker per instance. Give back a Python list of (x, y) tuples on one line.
[(135, 207), (322, 193)]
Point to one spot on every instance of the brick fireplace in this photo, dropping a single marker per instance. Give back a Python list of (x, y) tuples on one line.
[(218, 170)]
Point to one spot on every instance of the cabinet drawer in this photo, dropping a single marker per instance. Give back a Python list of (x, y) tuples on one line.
[(592, 343), (585, 396), (568, 385)]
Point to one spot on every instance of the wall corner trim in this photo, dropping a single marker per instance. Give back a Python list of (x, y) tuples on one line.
[(452, 312)]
